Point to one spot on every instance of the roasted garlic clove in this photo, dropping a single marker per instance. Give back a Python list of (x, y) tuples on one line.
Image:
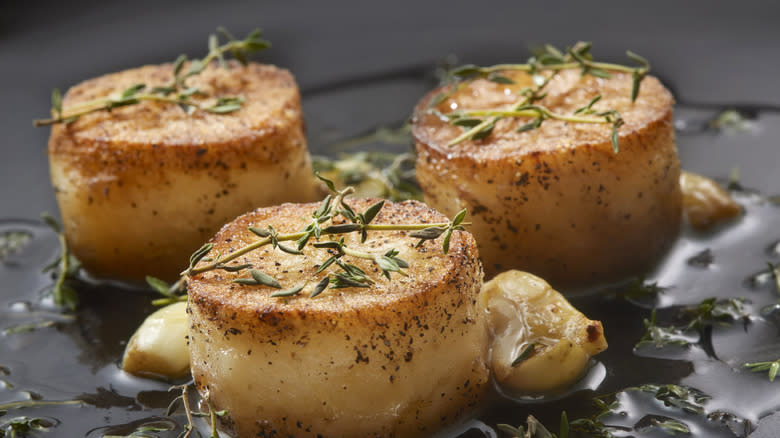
[(705, 203), (539, 341), (159, 347)]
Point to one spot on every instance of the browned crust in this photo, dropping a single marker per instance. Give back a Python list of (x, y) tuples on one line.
[(551, 199), (168, 180), (434, 279), (568, 92), (158, 136)]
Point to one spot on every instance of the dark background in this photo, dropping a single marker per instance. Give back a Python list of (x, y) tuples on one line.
[(722, 52), (359, 66)]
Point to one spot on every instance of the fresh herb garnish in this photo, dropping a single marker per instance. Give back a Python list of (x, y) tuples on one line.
[(668, 425), (378, 174), (183, 400), (772, 368), (64, 268), (535, 429), (774, 270), (688, 399), (149, 429), (400, 135), (527, 352), (176, 91), (731, 120), (698, 318), (712, 311), (543, 67), (659, 336), (12, 241), (639, 290), (345, 275), (22, 426)]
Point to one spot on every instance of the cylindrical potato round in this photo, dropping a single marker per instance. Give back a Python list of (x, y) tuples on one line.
[(557, 201), (143, 186), (401, 358)]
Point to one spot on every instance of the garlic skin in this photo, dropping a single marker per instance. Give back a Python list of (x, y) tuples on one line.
[(705, 203), (158, 348), (523, 310)]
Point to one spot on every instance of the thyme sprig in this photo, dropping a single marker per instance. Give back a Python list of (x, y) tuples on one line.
[(697, 319), (13, 241), (176, 91), (22, 426), (535, 429), (543, 67), (659, 336), (65, 267), (772, 368), (345, 275), (373, 174), (688, 399)]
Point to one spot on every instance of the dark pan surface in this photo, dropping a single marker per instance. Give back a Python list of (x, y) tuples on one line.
[(362, 66)]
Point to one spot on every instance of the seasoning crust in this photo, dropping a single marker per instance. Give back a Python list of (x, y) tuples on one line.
[(401, 358), (557, 200), (142, 186)]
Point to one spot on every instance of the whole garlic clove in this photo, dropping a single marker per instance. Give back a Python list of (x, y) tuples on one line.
[(539, 341), (159, 347)]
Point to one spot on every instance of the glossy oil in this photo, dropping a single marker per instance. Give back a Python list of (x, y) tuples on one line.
[(50, 355)]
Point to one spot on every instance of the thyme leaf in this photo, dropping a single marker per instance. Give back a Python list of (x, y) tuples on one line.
[(527, 352), (543, 66), (13, 241), (176, 92), (65, 268), (772, 368), (373, 174)]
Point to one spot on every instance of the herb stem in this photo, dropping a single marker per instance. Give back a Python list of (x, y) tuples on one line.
[(358, 254), (36, 403), (479, 124), (213, 419), (133, 95), (491, 121), (410, 227), (295, 236), (537, 111), (59, 299), (562, 66), (221, 50), (471, 132), (110, 102), (186, 403)]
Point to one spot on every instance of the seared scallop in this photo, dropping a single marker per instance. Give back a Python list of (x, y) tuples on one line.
[(399, 358), (142, 186), (558, 201)]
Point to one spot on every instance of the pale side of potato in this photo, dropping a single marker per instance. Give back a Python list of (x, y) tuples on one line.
[(705, 203), (158, 348), (531, 321), (558, 201), (401, 358), (142, 187)]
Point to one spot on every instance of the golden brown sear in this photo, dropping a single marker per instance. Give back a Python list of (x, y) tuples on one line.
[(401, 358), (557, 201), (143, 186)]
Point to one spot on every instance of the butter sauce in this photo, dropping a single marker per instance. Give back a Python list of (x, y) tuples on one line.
[(77, 357)]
